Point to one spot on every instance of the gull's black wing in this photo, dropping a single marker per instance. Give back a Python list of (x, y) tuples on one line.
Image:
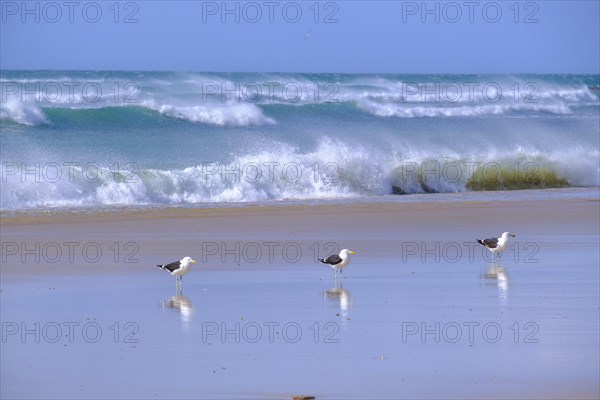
[(172, 266), (491, 243), (333, 260)]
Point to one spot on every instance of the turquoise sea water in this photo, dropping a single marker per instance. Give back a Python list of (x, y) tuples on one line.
[(103, 139)]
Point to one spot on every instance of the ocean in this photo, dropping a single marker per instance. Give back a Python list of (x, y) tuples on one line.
[(102, 140)]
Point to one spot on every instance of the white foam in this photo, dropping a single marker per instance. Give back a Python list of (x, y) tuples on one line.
[(414, 111), (333, 169), (221, 115), (22, 113)]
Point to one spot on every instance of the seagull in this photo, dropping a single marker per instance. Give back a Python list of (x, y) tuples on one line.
[(178, 269), (337, 262), (496, 245)]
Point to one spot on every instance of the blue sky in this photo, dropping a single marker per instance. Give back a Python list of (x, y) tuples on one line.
[(303, 36)]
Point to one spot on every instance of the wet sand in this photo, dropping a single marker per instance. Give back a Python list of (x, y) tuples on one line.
[(422, 312)]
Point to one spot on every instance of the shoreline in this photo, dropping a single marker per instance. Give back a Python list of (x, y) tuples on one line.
[(375, 230), (12, 217)]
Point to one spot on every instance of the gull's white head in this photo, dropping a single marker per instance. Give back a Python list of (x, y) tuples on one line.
[(188, 261), (346, 252), (505, 235)]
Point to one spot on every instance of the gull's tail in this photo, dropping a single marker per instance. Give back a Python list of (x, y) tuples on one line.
[(322, 260), (480, 242)]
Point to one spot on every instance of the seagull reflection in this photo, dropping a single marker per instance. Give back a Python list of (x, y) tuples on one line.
[(340, 298), (496, 272), (185, 307)]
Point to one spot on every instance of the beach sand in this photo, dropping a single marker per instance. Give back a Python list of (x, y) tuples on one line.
[(422, 312)]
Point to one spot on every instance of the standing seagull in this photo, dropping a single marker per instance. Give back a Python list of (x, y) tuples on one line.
[(178, 269), (496, 245), (338, 262)]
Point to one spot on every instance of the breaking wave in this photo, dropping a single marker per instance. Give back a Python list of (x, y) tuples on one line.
[(297, 175)]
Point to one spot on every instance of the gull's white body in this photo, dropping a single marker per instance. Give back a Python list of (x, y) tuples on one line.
[(502, 243), (186, 266), (345, 261), (178, 269), (496, 245), (338, 266)]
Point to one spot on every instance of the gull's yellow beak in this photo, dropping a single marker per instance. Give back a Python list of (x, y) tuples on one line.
[(351, 252), (193, 261)]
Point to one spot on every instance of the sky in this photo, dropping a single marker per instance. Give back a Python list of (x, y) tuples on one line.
[(303, 36)]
